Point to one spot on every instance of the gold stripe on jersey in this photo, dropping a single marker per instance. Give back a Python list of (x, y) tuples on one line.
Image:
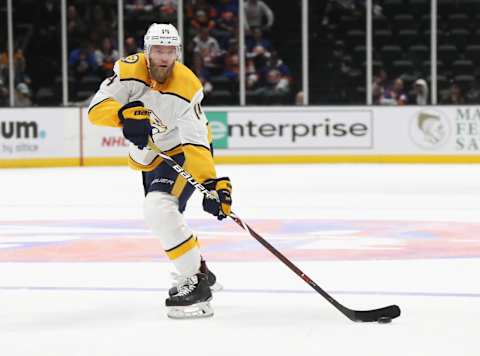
[(156, 162), (104, 113), (210, 135), (182, 83), (130, 69), (182, 248), (199, 163)]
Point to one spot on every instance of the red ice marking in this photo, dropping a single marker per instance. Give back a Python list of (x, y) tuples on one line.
[(302, 240)]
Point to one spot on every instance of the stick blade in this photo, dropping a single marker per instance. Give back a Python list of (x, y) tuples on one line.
[(391, 312)]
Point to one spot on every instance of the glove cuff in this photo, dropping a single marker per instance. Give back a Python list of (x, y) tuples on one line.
[(133, 104), (217, 184)]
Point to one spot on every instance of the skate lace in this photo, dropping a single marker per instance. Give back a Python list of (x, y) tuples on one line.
[(186, 287), (178, 279)]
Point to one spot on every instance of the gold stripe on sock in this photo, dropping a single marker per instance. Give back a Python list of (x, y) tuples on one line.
[(182, 248)]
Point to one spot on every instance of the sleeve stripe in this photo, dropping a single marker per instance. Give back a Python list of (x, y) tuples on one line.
[(98, 104)]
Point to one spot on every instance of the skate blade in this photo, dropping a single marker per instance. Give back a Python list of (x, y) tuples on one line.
[(195, 311), (217, 287)]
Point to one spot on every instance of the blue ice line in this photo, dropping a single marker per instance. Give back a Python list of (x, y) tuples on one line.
[(255, 291)]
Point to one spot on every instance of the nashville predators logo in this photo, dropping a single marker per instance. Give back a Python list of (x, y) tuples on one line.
[(130, 59), (157, 124)]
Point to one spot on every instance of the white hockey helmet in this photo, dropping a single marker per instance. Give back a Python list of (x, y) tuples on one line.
[(164, 35)]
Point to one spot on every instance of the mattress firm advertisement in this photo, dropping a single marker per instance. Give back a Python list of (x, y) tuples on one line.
[(33, 135)]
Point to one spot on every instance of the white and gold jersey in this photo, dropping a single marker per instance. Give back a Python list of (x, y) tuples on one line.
[(179, 124)]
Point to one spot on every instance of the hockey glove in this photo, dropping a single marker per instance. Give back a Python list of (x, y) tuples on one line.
[(135, 119), (221, 203)]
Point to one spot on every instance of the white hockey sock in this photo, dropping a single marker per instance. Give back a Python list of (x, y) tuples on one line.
[(168, 224)]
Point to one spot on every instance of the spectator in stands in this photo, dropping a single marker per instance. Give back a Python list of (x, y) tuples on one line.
[(255, 13), (106, 57), (200, 14), (275, 89), (271, 83), (258, 48), (378, 86), (299, 98), (420, 88), (82, 61), (201, 20), (226, 28), (131, 46), (275, 63), (134, 7), (19, 65), (349, 6), (196, 5), (395, 95), (252, 75), (454, 96), (22, 95), (3, 63), (3, 92), (167, 10), (76, 27), (232, 61), (227, 6), (278, 82), (206, 53)]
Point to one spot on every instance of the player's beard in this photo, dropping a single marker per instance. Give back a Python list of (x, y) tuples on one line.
[(159, 73)]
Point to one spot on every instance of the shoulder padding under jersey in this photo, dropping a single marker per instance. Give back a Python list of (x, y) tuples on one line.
[(134, 68), (183, 83)]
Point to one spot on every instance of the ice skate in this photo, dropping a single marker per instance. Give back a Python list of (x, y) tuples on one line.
[(212, 280), (192, 299)]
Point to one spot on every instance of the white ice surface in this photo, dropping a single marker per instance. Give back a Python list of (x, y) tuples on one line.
[(117, 309)]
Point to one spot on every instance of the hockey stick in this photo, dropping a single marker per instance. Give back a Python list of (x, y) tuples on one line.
[(381, 315)]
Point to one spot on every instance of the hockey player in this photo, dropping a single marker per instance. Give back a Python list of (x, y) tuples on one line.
[(152, 94)]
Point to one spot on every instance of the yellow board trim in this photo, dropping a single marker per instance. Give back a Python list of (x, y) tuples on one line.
[(122, 161), (183, 248), (301, 159), (105, 161), (39, 162)]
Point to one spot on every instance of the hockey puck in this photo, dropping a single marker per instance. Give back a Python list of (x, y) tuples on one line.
[(384, 320)]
